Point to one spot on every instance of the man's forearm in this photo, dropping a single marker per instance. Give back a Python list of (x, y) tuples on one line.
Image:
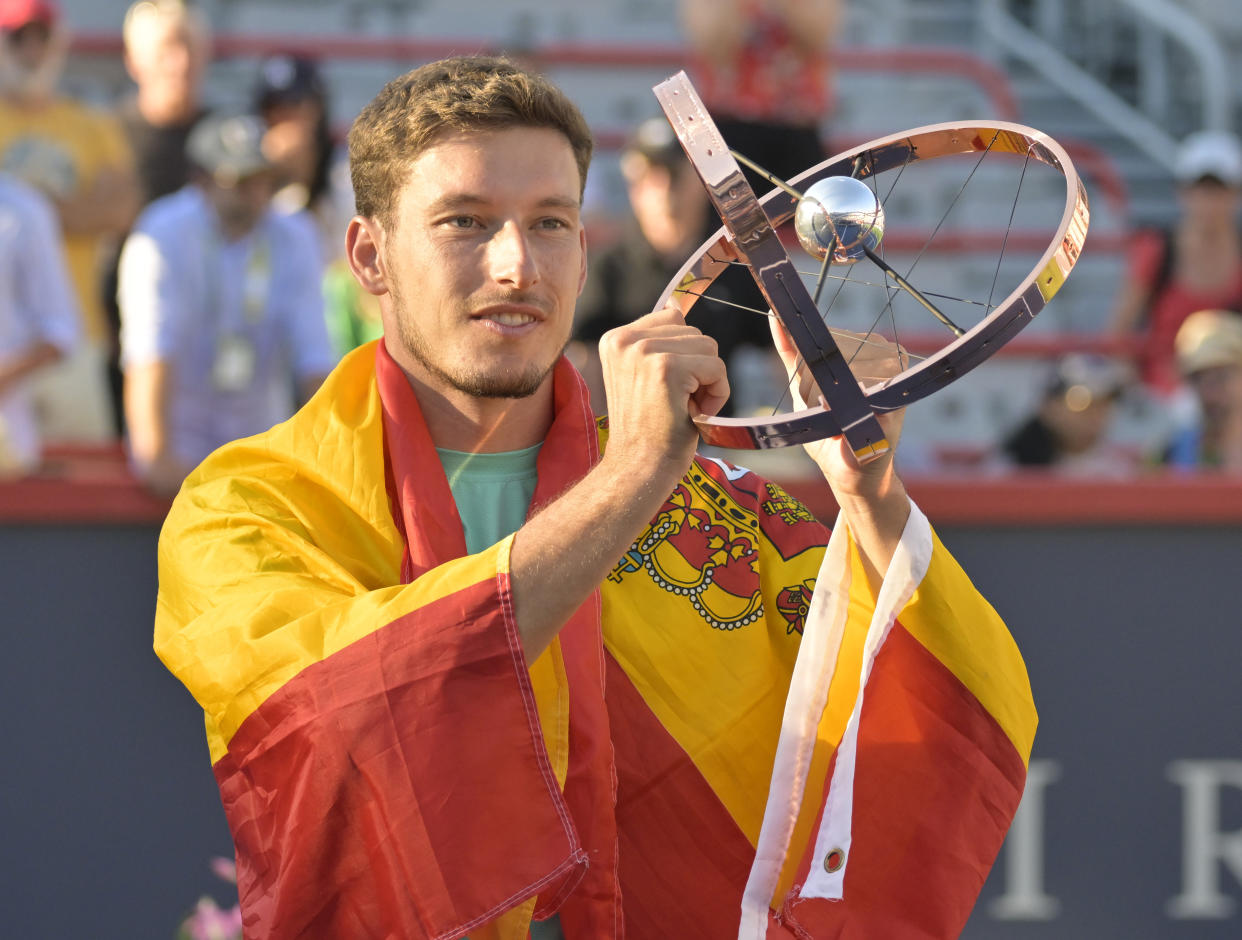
[(563, 554), (29, 360), (108, 208)]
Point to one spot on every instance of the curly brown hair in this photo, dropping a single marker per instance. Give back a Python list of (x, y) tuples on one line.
[(459, 93)]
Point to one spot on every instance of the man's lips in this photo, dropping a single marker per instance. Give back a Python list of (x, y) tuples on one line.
[(510, 314)]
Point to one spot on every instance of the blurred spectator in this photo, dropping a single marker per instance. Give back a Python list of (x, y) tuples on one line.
[(291, 97), (624, 280), (39, 320), (167, 48), (1195, 266), (1069, 430), (762, 68), (313, 174), (221, 309), (79, 159), (1209, 354)]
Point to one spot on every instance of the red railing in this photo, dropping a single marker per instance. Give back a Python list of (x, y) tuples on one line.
[(672, 56), (93, 486), (901, 60)]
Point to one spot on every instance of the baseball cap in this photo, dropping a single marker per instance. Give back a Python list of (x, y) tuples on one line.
[(14, 14), (228, 146), (655, 140), (1207, 339), (1216, 154), (287, 79), (1082, 378)]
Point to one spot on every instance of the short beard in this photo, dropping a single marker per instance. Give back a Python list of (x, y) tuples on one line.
[(475, 384)]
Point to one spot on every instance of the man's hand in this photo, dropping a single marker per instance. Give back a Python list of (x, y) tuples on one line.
[(870, 494), (872, 359), (658, 374)]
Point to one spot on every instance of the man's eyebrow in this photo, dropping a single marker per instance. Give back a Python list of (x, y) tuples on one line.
[(455, 201), (560, 202)]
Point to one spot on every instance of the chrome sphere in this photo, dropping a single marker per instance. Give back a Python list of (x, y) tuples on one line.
[(843, 208)]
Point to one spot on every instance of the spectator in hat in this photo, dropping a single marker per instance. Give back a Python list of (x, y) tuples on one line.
[(1209, 355), (1068, 431), (79, 159), (1195, 266), (221, 311), (670, 218), (292, 97)]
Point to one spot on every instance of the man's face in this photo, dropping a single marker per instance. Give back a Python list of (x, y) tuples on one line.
[(485, 261), (240, 204), (28, 45), (171, 58), (1219, 389), (668, 200), (1211, 201)]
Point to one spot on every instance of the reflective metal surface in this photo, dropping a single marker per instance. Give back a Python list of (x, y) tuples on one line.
[(840, 214)]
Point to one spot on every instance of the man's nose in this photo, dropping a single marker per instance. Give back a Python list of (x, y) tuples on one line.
[(510, 259)]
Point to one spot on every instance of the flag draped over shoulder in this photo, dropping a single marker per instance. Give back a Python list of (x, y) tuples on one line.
[(390, 765)]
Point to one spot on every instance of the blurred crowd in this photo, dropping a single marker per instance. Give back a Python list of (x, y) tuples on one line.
[(173, 274)]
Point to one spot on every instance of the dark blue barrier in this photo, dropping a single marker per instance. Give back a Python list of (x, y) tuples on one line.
[(1128, 620)]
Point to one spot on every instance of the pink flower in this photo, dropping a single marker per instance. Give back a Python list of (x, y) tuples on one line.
[(210, 922)]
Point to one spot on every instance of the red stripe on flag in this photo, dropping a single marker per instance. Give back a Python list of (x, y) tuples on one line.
[(400, 787), (684, 861), (936, 784)]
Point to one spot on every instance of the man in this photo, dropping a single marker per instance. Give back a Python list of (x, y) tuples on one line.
[(38, 316), (1068, 430), (463, 674), (1196, 265), (79, 159), (167, 48), (670, 219), (221, 310), (1209, 355)]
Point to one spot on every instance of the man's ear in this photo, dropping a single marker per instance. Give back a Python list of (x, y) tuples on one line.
[(363, 240)]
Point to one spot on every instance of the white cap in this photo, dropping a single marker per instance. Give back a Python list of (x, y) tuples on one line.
[(1209, 338), (1209, 153)]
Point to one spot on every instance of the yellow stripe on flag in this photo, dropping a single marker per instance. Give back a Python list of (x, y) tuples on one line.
[(982, 654)]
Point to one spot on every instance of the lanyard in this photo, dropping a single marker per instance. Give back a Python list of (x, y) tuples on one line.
[(234, 358)]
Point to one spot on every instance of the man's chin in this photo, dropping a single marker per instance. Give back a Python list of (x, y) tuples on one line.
[(502, 386)]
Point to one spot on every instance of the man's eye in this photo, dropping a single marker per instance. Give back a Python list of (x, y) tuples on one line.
[(553, 223), (462, 221)]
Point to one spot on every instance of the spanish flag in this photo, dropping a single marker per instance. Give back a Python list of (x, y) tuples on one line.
[(737, 735)]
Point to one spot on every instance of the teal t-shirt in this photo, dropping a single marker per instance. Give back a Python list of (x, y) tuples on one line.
[(493, 494), (492, 491)]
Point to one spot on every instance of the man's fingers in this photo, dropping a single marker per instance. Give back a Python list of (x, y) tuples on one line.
[(712, 386), (784, 344)]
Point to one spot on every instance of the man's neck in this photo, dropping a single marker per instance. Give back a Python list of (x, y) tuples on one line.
[(164, 111), (459, 421)]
